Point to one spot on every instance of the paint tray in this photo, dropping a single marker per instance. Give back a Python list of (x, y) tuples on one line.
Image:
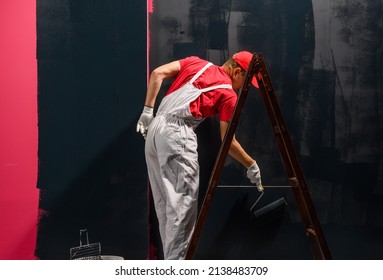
[(86, 250)]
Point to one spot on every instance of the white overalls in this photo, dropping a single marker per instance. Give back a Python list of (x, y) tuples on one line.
[(172, 162)]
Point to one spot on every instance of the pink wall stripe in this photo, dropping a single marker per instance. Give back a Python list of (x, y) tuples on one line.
[(18, 126)]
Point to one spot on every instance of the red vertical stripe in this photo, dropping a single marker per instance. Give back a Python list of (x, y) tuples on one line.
[(18, 126), (150, 6)]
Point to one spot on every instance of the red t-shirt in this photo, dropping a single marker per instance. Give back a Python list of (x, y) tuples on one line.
[(208, 104)]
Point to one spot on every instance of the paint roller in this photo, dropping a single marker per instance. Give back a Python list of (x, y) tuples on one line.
[(269, 209)]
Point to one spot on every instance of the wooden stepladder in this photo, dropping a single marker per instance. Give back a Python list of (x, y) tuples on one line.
[(257, 69)]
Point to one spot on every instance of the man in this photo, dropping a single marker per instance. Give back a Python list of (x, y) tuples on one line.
[(200, 90)]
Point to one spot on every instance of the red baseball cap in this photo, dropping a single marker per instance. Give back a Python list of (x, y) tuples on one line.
[(243, 59)]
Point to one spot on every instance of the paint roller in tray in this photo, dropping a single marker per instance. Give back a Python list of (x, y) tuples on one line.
[(269, 209)]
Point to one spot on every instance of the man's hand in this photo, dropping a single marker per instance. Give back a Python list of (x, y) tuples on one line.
[(144, 121), (254, 174)]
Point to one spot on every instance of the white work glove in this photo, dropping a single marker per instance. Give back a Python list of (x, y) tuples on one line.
[(144, 121), (254, 174)]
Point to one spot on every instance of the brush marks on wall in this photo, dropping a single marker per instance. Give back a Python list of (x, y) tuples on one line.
[(347, 51), (324, 58)]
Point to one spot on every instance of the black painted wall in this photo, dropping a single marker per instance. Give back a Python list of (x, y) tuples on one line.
[(91, 85), (324, 60)]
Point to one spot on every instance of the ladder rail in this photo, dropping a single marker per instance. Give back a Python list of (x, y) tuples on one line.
[(292, 167)]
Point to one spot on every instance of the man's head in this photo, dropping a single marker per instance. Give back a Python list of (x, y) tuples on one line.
[(243, 59)]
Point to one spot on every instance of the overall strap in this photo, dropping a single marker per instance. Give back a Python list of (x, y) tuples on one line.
[(215, 87), (200, 72)]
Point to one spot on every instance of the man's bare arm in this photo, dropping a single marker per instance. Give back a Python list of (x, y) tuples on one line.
[(236, 150), (158, 75)]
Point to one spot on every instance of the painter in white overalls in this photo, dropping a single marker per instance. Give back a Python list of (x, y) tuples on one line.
[(172, 161)]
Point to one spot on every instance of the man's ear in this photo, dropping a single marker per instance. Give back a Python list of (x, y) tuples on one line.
[(237, 71)]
